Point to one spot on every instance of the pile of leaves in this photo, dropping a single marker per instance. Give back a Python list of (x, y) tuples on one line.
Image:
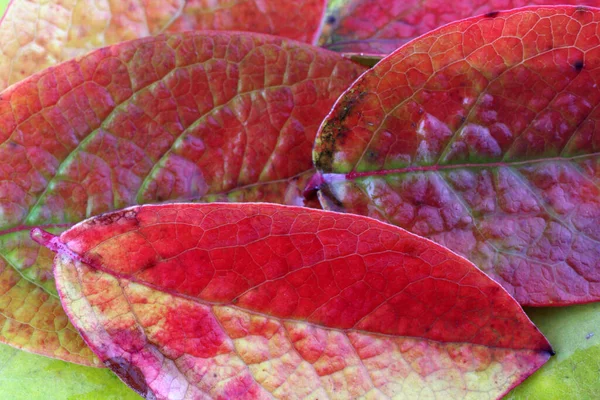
[(207, 199)]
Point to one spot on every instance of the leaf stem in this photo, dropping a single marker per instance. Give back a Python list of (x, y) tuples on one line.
[(46, 239)]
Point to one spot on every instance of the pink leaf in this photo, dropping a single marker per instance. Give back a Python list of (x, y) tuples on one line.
[(483, 136), (381, 26)]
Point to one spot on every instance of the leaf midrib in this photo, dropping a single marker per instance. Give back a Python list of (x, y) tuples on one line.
[(449, 167)]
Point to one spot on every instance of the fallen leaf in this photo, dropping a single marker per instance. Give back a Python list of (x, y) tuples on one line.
[(195, 116), (381, 26), (573, 373), (39, 33), (482, 136), (262, 300)]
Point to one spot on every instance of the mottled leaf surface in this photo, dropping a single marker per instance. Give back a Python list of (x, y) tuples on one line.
[(483, 136), (193, 116), (381, 26), (218, 300), (39, 33)]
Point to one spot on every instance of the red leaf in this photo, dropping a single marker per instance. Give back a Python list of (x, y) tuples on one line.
[(195, 116), (298, 19), (482, 136), (37, 34), (381, 26), (258, 300)]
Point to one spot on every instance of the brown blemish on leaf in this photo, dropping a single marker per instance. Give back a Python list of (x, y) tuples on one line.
[(335, 130), (113, 217), (131, 375)]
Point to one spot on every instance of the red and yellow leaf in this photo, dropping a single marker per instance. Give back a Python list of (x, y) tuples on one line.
[(381, 26), (194, 117), (483, 136), (39, 33), (193, 301)]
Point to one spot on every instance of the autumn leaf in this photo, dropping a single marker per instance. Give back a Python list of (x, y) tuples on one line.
[(39, 33), (262, 300), (381, 26), (195, 116), (482, 136)]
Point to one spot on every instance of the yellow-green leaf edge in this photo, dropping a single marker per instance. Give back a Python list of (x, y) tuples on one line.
[(574, 372), (26, 376)]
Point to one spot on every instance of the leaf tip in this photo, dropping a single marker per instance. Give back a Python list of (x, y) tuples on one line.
[(131, 375)]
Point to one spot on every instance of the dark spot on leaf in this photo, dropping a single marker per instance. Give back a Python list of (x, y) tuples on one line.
[(130, 374), (324, 159), (413, 125), (331, 20), (348, 106), (235, 301), (578, 65), (372, 155), (335, 130), (492, 14), (462, 119), (341, 135)]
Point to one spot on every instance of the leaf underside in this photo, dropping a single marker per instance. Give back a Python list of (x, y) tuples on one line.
[(380, 27), (195, 301), (483, 136), (39, 33), (194, 117)]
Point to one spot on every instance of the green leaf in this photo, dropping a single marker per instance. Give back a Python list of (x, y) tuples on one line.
[(573, 373), (26, 376), (3, 4)]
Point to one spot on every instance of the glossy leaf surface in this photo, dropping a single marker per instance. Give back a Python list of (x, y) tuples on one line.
[(483, 137), (195, 117), (39, 33), (263, 300), (381, 26)]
